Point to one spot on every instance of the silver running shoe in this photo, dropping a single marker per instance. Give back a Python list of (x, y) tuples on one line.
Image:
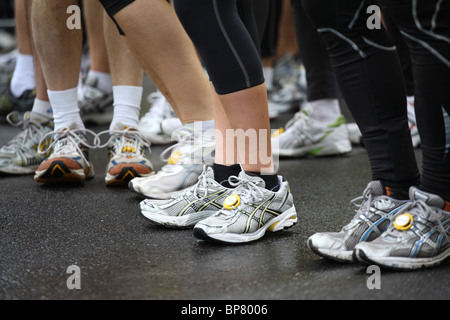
[(249, 212), (419, 237), (183, 167), (20, 155), (196, 203), (374, 215)]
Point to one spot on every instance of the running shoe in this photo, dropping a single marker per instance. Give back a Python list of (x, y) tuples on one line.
[(69, 158), (287, 98), (150, 125), (375, 214), (196, 203), (22, 104), (19, 155), (7, 66), (127, 158), (289, 87), (182, 169), (249, 212), (96, 106), (419, 237), (303, 136)]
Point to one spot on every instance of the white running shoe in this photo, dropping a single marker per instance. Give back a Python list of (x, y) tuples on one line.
[(249, 212), (182, 169), (303, 136), (127, 158), (196, 203), (69, 158), (19, 155), (150, 125)]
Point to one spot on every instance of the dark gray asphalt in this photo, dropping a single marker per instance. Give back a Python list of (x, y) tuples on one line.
[(46, 229)]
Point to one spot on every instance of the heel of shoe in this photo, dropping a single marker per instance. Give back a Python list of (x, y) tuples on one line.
[(285, 221)]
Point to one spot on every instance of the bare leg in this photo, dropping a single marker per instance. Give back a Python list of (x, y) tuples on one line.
[(126, 75), (167, 55), (93, 11), (59, 50), (248, 116), (23, 77)]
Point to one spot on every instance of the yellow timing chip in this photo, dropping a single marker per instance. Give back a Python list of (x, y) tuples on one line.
[(232, 202), (403, 222)]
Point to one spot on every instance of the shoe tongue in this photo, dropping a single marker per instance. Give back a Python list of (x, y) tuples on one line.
[(209, 172), (253, 178), (120, 127), (430, 199), (376, 188), (91, 80), (40, 118)]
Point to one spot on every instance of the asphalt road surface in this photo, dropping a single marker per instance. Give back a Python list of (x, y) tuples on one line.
[(119, 255)]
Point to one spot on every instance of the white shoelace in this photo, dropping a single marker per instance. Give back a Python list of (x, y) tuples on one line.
[(189, 149), (68, 140), (128, 136), (422, 210), (30, 126)]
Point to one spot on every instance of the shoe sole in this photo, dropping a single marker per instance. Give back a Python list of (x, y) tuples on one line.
[(188, 221), (401, 263), (58, 172), (319, 150), (156, 196), (18, 170), (284, 221), (335, 255)]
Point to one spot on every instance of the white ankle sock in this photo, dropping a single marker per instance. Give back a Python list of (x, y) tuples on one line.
[(43, 108), (23, 77), (104, 81), (324, 111), (65, 108), (127, 106)]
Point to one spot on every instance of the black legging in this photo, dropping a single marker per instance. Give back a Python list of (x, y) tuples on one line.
[(226, 47), (319, 72), (370, 77)]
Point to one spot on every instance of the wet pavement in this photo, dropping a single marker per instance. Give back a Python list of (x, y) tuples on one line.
[(46, 229)]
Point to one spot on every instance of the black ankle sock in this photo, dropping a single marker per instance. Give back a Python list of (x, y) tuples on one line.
[(271, 180), (222, 173), (399, 193)]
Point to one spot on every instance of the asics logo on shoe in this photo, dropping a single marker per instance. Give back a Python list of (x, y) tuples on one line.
[(204, 203)]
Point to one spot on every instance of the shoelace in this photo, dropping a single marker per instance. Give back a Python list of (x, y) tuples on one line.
[(203, 182), (66, 140), (363, 205), (300, 123), (129, 137), (187, 146), (247, 189), (420, 209), (30, 126)]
